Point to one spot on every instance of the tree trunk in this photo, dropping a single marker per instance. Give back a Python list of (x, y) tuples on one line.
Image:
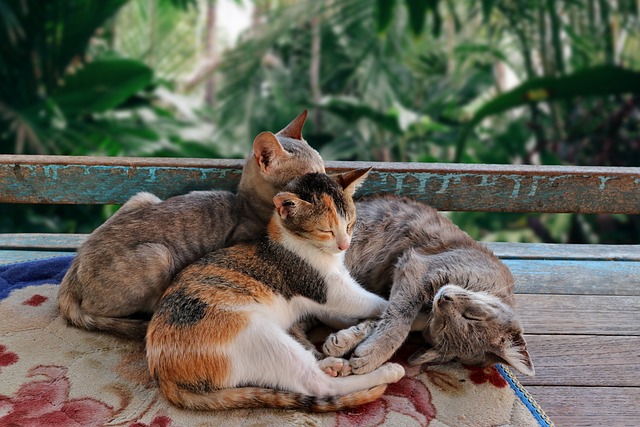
[(314, 70), (210, 52)]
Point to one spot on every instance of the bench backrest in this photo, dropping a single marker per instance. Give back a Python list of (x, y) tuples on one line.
[(447, 187)]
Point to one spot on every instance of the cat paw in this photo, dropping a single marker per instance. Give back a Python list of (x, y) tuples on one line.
[(335, 367), (367, 358), (390, 372), (342, 342)]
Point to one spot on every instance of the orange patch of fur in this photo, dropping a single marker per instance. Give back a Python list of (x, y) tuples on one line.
[(222, 322), (274, 230), (332, 214)]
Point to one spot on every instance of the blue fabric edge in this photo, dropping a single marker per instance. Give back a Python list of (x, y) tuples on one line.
[(32, 273), (534, 408)]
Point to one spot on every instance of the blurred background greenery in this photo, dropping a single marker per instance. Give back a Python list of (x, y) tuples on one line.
[(491, 81)]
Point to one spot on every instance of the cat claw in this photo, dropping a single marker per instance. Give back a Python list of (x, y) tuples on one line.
[(366, 358), (335, 367), (335, 346)]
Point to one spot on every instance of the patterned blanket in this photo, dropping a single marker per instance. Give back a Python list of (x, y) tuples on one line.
[(55, 375)]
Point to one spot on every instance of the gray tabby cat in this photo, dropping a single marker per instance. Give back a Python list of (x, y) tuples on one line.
[(438, 280), (126, 264)]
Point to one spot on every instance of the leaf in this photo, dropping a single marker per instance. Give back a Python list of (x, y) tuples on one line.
[(102, 85), (384, 14), (595, 81), (487, 8), (436, 30), (417, 10), (182, 4), (353, 110)]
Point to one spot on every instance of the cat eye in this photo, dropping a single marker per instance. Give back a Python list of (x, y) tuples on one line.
[(325, 231), (472, 317), (350, 227)]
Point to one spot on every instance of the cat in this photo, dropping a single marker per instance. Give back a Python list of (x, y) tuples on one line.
[(219, 340), (121, 271), (439, 281)]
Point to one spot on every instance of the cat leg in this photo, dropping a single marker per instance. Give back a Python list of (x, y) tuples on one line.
[(264, 351), (407, 297), (347, 302), (342, 342), (299, 332)]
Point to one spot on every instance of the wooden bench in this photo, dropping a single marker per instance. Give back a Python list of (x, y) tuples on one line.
[(580, 304)]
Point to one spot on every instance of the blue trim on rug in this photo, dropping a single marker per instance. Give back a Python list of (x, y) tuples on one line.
[(30, 273), (524, 396)]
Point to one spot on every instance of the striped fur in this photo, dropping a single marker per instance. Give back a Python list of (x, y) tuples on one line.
[(219, 340), (125, 265)]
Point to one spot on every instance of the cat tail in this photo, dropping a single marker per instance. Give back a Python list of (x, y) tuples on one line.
[(255, 397), (69, 303)]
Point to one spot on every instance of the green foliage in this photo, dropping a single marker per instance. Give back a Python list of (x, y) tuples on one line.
[(101, 85), (540, 81), (603, 80)]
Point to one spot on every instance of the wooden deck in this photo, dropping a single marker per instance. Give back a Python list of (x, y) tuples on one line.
[(580, 306)]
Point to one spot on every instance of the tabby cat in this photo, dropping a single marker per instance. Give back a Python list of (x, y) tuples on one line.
[(126, 264), (438, 279), (219, 340)]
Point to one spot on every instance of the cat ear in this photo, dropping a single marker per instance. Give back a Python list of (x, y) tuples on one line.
[(516, 355), (350, 181), (426, 356), (288, 204), (267, 151), (294, 129)]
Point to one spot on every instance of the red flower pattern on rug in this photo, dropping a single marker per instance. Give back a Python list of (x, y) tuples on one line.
[(158, 421), (7, 357), (46, 402), (409, 397), (35, 301), (489, 374)]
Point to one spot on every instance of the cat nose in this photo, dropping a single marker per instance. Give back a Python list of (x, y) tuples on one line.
[(343, 246), (444, 299)]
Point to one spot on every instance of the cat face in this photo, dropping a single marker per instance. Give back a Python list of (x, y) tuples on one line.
[(286, 155), (319, 209), (474, 328)]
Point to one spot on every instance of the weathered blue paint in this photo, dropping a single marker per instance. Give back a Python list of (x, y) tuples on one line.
[(495, 188)]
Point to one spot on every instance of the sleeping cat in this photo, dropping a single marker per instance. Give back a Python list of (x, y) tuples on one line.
[(452, 288), (126, 264), (219, 340)]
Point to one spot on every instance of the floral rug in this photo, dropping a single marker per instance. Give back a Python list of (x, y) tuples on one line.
[(55, 375)]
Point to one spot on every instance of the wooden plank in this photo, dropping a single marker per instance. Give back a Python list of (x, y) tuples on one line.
[(495, 188), (589, 406), (504, 250), (534, 276), (12, 257), (584, 360), (507, 250), (42, 241), (579, 314)]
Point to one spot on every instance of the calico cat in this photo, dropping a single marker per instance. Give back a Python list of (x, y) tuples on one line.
[(219, 340), (127, 263), (452, 288)]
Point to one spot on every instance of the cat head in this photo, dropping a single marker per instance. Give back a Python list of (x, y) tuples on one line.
[(319, 209), (474, 328), (279, 158)]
